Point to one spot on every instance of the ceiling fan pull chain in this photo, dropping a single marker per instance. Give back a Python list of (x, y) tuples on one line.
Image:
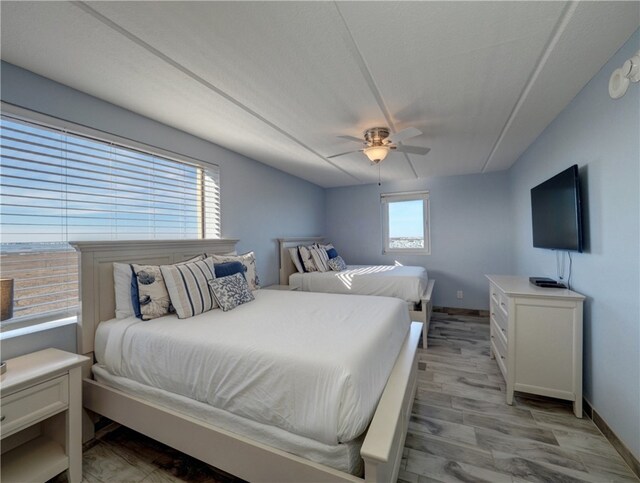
[(379, 174)]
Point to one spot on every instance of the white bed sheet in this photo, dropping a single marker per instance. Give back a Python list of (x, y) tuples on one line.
[(344, 456), (404, 282), (312, 364)]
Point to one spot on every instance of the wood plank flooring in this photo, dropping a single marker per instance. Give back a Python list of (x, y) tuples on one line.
[(461, 429)]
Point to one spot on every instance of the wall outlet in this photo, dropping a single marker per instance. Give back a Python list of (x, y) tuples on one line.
[(460, 294)]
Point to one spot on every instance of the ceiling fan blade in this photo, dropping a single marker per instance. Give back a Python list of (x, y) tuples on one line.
[(413, 150), (400, 136), (352, 138), (342, 154)]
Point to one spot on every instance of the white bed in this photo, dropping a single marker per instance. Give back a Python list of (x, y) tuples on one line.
[(408, 283), (141, 383)]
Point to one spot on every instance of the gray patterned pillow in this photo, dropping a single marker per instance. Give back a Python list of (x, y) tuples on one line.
[(337, 264), (231, 291)]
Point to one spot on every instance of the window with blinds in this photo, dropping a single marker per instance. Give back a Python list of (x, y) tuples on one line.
[(58, 186)]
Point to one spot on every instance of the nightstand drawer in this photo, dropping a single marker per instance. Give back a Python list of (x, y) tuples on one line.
[(33, 404)]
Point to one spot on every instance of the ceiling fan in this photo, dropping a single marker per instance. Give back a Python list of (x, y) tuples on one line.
[(378, 143)]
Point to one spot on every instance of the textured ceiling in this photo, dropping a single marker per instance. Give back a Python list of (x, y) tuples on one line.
[(279, 81)]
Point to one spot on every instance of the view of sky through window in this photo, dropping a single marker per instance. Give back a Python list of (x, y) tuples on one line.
[(405, 219)]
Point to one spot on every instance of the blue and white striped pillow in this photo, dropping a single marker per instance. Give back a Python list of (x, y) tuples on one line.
[(188, 287), (320, 258)]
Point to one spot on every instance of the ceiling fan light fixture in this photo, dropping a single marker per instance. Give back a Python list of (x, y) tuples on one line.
[(376, 154)]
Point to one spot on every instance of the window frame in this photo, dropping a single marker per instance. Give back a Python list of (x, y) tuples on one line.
[(18, 113), (385, 200)]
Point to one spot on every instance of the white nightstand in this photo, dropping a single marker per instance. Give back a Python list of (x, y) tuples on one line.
[(41, 416), (281, 287)]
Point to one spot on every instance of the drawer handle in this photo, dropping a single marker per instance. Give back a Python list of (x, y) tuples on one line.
[(2, 418), (502, 329), (501, 356)]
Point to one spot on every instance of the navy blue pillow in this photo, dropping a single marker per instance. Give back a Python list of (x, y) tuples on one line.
[(229, 268), (332, 253), (135, 296)]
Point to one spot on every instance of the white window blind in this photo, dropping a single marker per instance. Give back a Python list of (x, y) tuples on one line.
[(58, 186)]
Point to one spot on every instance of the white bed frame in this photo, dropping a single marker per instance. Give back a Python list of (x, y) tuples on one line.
[(238, 455), (422, 314)]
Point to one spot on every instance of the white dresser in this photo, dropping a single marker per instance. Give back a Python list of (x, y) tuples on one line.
[(41, 409), (536, 338)]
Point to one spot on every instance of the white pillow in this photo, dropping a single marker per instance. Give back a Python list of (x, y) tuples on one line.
[(295, 258), (122, 286), (320, 258)]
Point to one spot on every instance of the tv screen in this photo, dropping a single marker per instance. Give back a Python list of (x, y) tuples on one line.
[(556, 212)]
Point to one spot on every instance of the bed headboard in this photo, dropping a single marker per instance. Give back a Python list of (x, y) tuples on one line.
[(286, 265), (97, 294)]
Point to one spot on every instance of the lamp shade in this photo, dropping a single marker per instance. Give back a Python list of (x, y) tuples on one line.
[(6, 298), (376, 153)]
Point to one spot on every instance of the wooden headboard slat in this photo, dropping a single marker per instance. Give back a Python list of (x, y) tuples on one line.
[(97, 294)]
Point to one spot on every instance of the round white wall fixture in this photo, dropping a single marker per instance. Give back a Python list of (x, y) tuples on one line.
[(618, 84), (622, 77)]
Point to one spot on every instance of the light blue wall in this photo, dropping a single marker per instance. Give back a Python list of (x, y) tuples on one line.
[(602, 136), (470, 231), (259, 203)]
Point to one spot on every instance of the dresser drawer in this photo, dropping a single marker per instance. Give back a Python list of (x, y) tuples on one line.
[(33, 404), (499, 301), (500, 320), (500, 351)]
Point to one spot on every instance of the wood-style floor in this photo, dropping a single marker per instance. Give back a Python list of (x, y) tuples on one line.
[(461, 429)]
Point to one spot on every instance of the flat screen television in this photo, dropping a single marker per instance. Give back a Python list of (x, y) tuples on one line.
[(556, 212)]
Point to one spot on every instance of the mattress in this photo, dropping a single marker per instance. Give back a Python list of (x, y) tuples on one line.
[(407, 283), (311, 364), (342, 456)]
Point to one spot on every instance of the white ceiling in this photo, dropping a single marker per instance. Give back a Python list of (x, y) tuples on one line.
[(279, 81)]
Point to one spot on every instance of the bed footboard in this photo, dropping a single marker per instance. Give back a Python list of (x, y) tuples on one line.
[(424, 314), (383, 446)]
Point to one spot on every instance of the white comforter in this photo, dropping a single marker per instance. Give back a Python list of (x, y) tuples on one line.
[(311, 364), (407, 283)]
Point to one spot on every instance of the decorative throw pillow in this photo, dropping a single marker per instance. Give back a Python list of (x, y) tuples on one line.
[(295, 258), (188, 287), (331, 251), (229, 268), (231, 291), (152, 292), (307, 261), (249, 262), (337, 264), (320, 258), (134, 296)]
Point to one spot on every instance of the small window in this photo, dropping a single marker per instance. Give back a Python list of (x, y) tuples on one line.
[(405, 223)]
